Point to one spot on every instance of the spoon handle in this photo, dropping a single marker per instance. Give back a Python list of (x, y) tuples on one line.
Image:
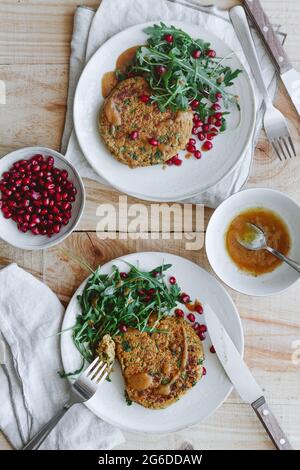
[(284, 258)]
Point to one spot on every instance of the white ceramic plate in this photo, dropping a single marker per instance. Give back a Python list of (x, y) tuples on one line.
[(283, 276), (203, 399), (27, 241), (153, 183)]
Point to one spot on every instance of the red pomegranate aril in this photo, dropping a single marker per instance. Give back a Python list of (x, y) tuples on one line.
[(197, 154), (206, 127), (191, 317), (195, 104), (153, 142), (6, 175), (185, 298), (207, 145), (201, 136), (161, 69), (195, 130), (56, 228), (45, 201), (218, 95), (196, 53), (192, 141), (51, 203), (172, 280), (191, 148), (134, 135), (203, 328), (145, 98), (202, 336), (122, 328), (218, 115), (196, 326), (64, 174), (49, 185), (73, 190), (218, 123), (216, 107), (35, 231), (169, 38), (72, 198), (211, 53), (212, 349), (199, 309), (23, 227), (179, 312), (55, 210), (203, 371), (7, 215), (210, 136), (177, 161), (66, 206)]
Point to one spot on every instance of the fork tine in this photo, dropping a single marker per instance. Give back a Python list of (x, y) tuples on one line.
[(281, 148), (286, 146), (292, 145), (95, 377), (275, 148), (91, 366)]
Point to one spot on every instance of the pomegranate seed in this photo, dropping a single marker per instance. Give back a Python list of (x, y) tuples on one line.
[(196, 326), (196, 53), (201, 336), (153, 142), (151, 291), (191, 317), (201, 136), (211, 53), (64, 174), (172, 280), (185, 298), (197, 154), (161, 69), (205, 127), (177, 161), (35, 231), (195, 130), (169, 38), (122, 328), (155, 274), (195, 104), (145, 98), (147, 298), (216, 107), (56, 228), (203, 371), (123, 275), (212, 350), (203, 328), (210, 136), (50, 160), (190, 148), (192, 141), (179, 312), (199, 309), (134, 135), (218, 96), (8, 215), (218, 123), (207, 145), (218, 116)]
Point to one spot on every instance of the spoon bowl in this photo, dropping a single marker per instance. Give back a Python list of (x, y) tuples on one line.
[(253, 239)]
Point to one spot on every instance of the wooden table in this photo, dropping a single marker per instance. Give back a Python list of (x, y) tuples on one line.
[(34, 53)]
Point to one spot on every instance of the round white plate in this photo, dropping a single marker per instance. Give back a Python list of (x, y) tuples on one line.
[(283, 276), (153, 183), (199, 402)]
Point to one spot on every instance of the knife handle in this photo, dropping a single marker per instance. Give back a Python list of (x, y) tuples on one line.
[(268, 35), (271, 425)]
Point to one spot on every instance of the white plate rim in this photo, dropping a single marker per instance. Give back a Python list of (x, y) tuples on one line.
[(236, 318), (231, 286), (148, 197)]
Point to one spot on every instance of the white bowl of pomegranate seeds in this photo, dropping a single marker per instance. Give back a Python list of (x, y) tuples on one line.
[(41, 198)]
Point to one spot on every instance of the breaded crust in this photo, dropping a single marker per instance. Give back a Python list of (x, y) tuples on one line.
[(159, 368), (123, 112)]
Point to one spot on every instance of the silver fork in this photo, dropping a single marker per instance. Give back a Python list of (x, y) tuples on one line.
[(274, 122), (82, 390)]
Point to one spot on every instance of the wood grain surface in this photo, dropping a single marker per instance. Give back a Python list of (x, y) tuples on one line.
[(34, 53)]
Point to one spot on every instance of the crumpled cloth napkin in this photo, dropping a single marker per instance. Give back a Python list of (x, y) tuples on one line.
[(31, 391), (92, 29)]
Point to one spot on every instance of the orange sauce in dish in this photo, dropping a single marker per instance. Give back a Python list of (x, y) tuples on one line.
[(277, 236), (109, 79)]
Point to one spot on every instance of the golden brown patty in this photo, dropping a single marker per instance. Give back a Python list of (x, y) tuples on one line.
[(123, 113), (159, 368)]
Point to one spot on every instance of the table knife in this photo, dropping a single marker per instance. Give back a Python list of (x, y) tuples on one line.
[(242, 379), (289, 76)]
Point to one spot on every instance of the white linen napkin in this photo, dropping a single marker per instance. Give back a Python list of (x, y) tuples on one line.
[(92, 29), (31, 391)]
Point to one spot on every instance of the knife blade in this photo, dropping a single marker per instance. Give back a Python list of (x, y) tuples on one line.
[(289, 76), (2, 353), (242, 379)]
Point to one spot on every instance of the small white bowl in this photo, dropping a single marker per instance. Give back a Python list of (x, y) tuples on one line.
[(283, 276), (27, 241)]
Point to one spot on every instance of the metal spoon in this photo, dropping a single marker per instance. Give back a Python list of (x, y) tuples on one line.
[(256, 240)]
